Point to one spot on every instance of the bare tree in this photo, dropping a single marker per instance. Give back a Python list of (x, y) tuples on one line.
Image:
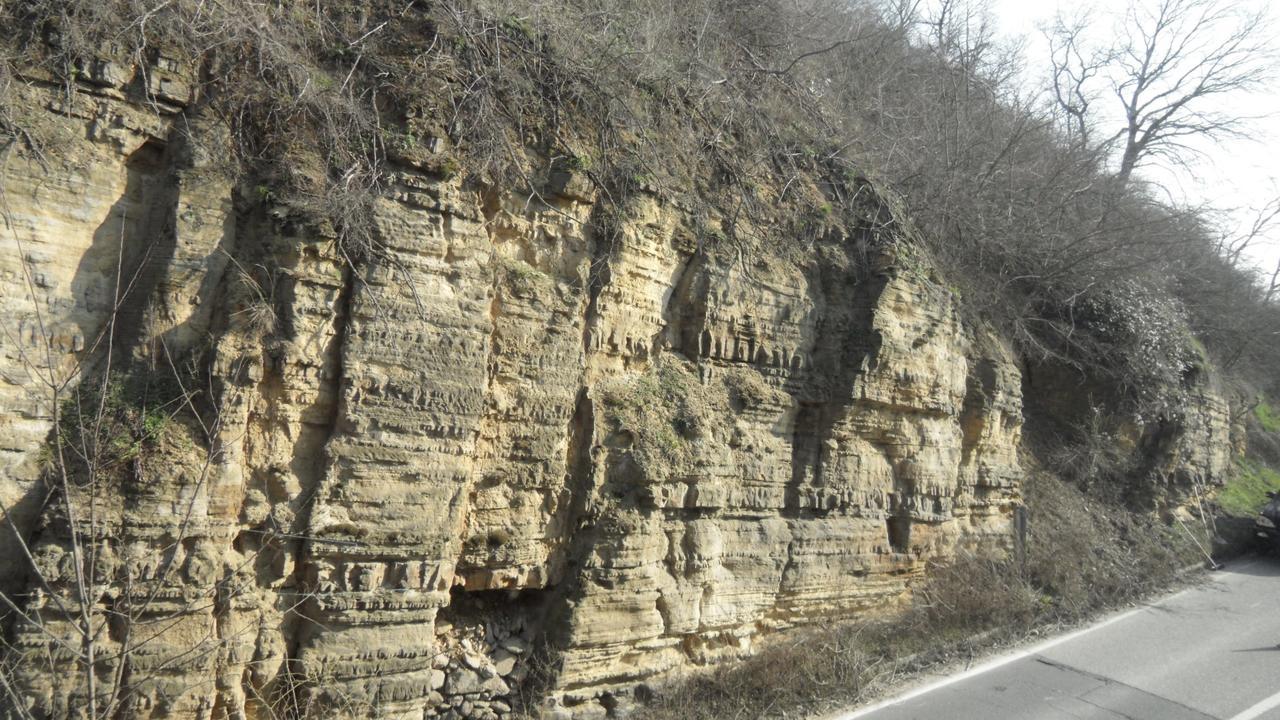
[(1172, 69), (1233, 247), (962, 31), (1075, 68)]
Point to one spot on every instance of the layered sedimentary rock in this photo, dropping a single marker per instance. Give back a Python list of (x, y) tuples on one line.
[(1173, 458), (1191, 451), (506, 450)]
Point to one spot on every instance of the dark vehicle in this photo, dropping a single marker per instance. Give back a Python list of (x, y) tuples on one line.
[(1267, 526)]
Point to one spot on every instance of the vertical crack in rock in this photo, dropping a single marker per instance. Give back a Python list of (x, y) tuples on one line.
[(304, 616), (579, 536), (685, 303)]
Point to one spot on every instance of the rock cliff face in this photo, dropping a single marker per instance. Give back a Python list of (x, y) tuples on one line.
[(1172, 460), (506, 454)]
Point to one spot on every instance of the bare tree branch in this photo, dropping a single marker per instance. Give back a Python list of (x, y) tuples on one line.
[(1173, 68)]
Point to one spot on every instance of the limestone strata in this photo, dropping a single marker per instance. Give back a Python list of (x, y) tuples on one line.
[(414, 479), (1191, 449)]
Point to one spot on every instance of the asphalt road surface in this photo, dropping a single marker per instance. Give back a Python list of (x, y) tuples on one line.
[(1207, 652)]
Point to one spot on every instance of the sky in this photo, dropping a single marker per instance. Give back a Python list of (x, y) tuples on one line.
[(1234, 175)]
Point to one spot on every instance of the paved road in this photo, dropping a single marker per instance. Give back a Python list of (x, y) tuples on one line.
[(1206, 653)]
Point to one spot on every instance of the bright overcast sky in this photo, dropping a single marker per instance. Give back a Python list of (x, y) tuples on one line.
[(1238, 174)]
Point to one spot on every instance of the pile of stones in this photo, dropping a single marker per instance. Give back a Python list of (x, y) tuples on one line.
[(477, 672)]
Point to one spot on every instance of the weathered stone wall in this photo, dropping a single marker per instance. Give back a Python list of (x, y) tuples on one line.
[(504, 445)]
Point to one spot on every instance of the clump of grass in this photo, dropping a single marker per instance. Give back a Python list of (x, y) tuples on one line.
[(522, 278), (667, 412), (1246, 493), (498, 537), (115, 423), (747, 389), (257, 313)]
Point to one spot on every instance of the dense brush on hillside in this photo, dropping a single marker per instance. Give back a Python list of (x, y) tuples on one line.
[(752, 104)]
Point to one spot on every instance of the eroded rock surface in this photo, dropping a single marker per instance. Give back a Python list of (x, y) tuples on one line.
[(507, 452)]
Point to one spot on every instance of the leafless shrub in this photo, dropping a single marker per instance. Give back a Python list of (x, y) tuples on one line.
[(974, 594), (90, 613)]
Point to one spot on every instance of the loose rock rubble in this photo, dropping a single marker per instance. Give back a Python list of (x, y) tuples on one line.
[(484, 657)]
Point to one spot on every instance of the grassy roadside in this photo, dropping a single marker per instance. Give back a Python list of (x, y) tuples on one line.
[(1256, 473), (1247, 491), (1084, 557)]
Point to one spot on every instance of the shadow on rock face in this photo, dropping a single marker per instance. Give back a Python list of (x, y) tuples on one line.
[(128, 258)]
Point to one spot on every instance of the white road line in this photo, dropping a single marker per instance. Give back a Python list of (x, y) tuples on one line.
[(1019, 655), (1253, 712)]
